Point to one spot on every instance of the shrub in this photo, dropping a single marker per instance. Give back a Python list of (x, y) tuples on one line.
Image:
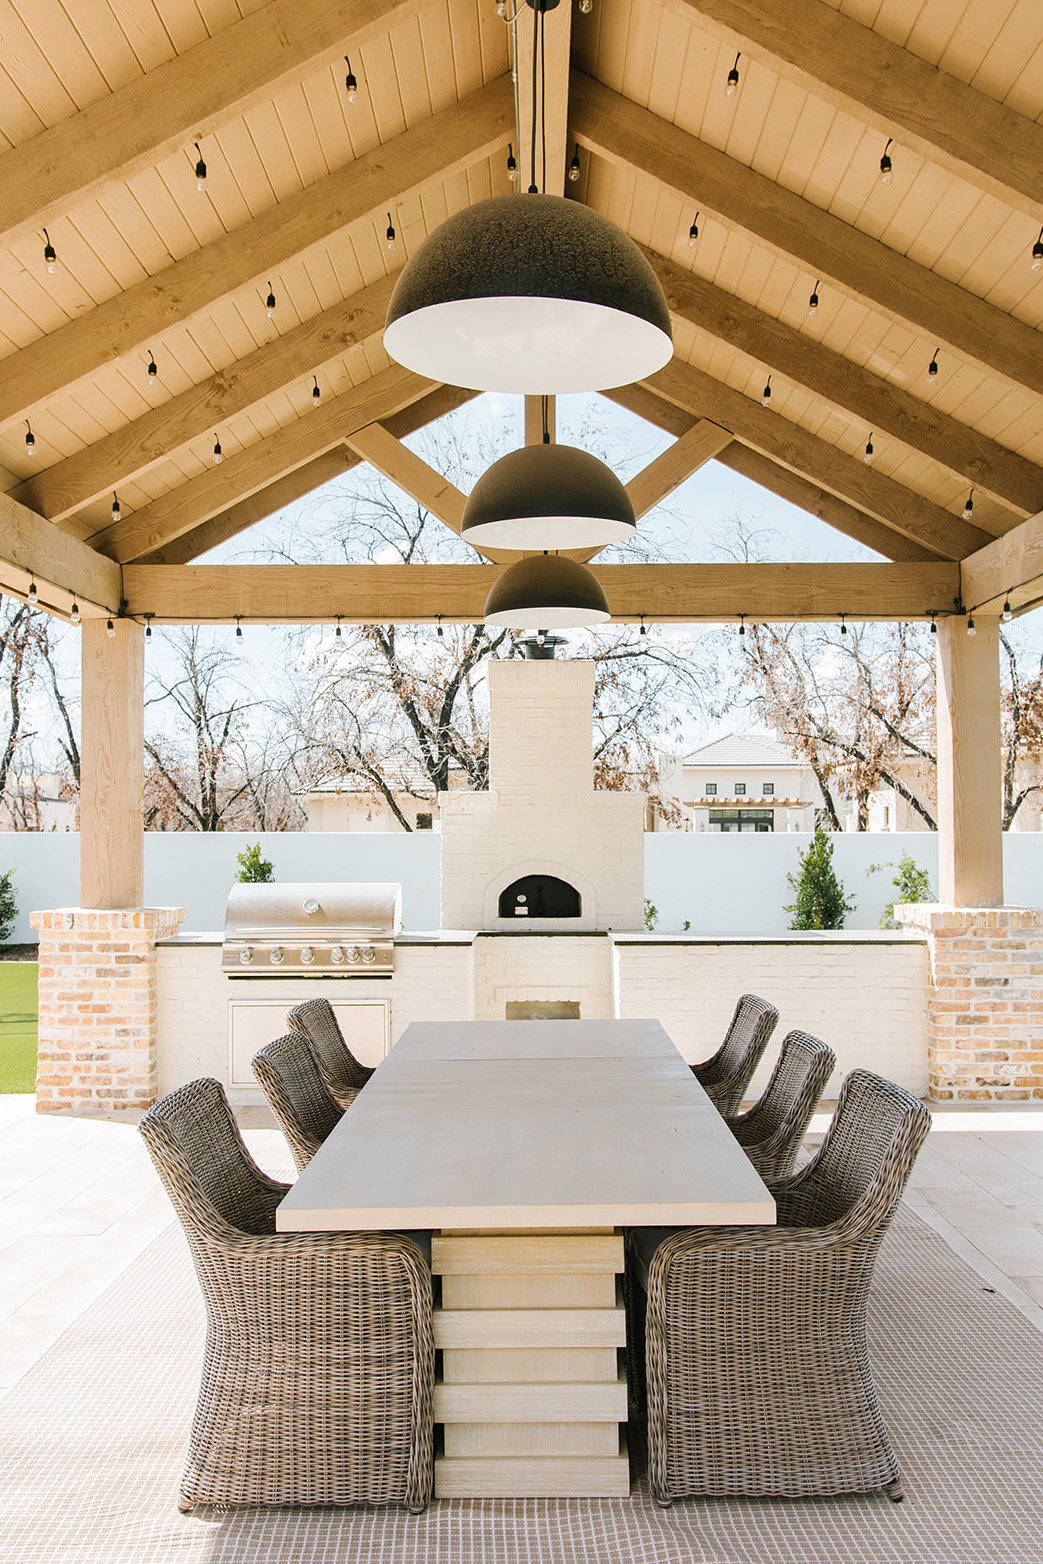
[(8, 905), (253, 869), (912, 884), (651, 916), (820, 902)]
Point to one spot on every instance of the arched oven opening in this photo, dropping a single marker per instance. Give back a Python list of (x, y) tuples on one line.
[(540, 896)]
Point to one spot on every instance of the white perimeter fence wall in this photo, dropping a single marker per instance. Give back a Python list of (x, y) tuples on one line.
[(720, 883)]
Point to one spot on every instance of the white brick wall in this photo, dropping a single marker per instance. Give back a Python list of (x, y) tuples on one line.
[(510, 967), (866, 998)]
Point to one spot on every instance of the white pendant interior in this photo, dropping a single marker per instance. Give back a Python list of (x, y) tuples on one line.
[(561, 618), (549, 532)]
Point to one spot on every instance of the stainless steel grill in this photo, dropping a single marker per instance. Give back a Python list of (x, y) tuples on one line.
[(311, 930)]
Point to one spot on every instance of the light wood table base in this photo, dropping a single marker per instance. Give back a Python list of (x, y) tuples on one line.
[(532, 1394)]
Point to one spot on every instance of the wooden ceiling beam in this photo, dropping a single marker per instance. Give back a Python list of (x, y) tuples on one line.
[(789, 486), (258, 465), (67, 486), (295, 485), (862, 73), (623, 133), (1009, 567), (692, 450), (551, 131), (180, 102), (883, 407), (825, 465), (425, 594), (437, 148), (64, 569)]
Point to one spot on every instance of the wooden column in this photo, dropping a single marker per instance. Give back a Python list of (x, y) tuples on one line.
[(970, 835), (112, 769)]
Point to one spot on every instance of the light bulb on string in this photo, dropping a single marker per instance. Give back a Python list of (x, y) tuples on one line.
[(116, 512), (512, 165), (932, 368), (731, 86), (1036, 262), (501, 9), (586, 6), (886, 166), (316, 391), (644, 628), (574, 166), (438, 628), (218, 453), (766, 393), (813, 301), (390, 235), (1008, 612), (153, 369), (269, 303), (238, 628), (933, 617), (338, 632), (148, 627), (50, 255), (350, 83), (110, 629), (30, 439), (693, 233), (742, 624), (74, 614), (869, 452), (32, 597), (200, 169), (843, 624), (968, 507), (971, 630)]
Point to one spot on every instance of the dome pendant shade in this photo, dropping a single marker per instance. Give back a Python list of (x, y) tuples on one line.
[(529, 293), (548, 497), (546, 592)]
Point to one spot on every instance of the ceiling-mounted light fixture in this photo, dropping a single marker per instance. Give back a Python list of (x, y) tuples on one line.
[(731, 86), (350, 83), (269, 303), (316, 391), (766, 393), (968, 507), (50, 254), (548, 497), (200, 170), (885, 163), (512, 165), (153, 369), (30, 439), (813, 301), (869, 453), (390, 235), (574, 166), (218, 453), (932, 368), (546, 592), (117, 513), (693, 232)]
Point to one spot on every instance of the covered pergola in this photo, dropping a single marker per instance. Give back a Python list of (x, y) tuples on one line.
[(855, 226)]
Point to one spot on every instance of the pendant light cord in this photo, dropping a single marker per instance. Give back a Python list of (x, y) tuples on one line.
[(546, 421), (543, 91), (533, 187)]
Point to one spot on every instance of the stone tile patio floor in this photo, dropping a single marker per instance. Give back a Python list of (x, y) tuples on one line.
[(79, 1201)]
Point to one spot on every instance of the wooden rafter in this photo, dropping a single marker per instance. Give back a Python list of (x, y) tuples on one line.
[(423, 594), (436, 148), (890, 88), (551, 129), (789, 486), (58, 491), (881, 406), (64, 569), (1010, 567), (623, 133), (259, 465), (180, 102), (692, 450)]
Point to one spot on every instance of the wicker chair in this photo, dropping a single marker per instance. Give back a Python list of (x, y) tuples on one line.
[(288, 1074), (758, 1371), (726, 1075), (341, 1071), (318, 1379), (771, 1131)]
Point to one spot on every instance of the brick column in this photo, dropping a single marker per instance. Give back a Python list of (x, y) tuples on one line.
[(984, 1000), (97, 1048)]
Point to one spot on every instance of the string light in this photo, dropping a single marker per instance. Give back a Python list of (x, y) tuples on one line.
[(148, 627), (843, 624), (693, 233), (644, 628), (218, 453), (869, 453), (742, 624), (153, 369), (50, 254), (968, 507), (813, 300), (586, 6), (30, 439), (391, 234), (512, 165), (350, 83), (574, 166), (338, 632), (74, 614), (269, 303), (731, 86), (1037, 254), (970, 625), (238, 628), (316, 393), (116, 512), (438, 629), (501, 9), (32, 597), (886, 165), (1008, 612), (110, 629), (766, 393), (932, 368), (200, 170), (933, 617)]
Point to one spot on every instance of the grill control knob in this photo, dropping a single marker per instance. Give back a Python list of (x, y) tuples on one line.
[(309, 905), (246, 956), (337, 955), (276, 955), (369, 955), (354, 954), (307, 955)]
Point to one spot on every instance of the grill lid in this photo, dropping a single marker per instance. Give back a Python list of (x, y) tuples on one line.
[(313, 909)]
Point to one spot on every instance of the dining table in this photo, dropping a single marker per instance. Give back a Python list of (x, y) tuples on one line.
[(526, 1148)]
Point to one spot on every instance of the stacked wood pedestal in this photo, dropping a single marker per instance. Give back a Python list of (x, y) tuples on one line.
[(532, 1394)]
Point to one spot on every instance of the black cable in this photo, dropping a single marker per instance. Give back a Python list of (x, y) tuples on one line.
[(541, 21), (533, 187)]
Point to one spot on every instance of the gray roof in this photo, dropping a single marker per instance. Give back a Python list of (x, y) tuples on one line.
[(744, 749)]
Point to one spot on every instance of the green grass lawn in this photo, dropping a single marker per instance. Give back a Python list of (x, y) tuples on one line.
[(17, 1026)]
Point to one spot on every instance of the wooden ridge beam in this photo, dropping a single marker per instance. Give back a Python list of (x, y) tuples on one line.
[(805, 453), (1009, 567), (861, 72), (551, 130), (65, 487), (883, 407), (438, 147), (180, 102), (258, 465), (623, 133), (423, 594), (65, 570), (692, 450), (760, 469), (293, 486)]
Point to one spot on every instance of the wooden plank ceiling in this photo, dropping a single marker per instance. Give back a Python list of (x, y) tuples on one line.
[(102, 103)]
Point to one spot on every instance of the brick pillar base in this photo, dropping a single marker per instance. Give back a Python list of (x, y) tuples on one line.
[(97, 1030), (984, 1000)]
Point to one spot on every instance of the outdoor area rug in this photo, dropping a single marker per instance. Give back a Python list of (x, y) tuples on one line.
[(91, 1444)]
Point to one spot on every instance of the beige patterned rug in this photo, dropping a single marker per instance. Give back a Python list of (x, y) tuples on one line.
[(91, 1442)]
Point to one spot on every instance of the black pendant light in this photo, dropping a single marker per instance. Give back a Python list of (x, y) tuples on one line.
[(546, 592), (548, 497)]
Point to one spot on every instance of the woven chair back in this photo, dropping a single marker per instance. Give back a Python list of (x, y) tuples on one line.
[(317, 1020), (774, 1127), (289, 1076), (727, 1074)]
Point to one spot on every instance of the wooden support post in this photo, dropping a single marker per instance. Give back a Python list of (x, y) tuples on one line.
[(970, 835), (112, 767)]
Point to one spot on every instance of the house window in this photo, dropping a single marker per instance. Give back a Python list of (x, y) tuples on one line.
[(768, 790), (710, 789), (742, 820), (425, 822), (740, 789)]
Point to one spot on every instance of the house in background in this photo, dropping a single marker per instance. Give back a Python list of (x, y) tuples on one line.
[(356, 802), (743, 782)]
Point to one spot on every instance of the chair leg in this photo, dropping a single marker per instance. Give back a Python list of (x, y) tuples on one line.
[(895, 1492)]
